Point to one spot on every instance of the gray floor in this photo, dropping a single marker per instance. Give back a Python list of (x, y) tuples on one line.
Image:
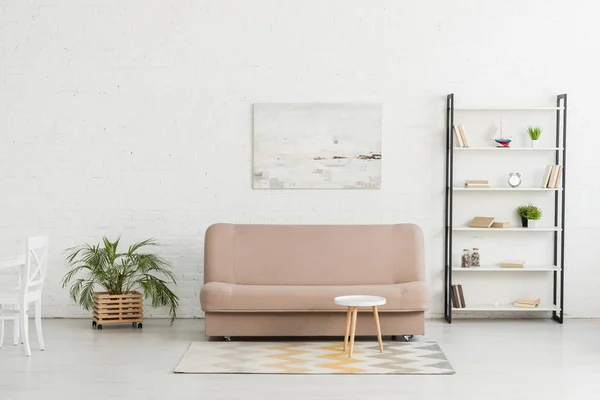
[(493, 360)]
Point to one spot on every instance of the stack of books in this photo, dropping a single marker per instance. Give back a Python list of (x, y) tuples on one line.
[(552, 176), (477, 183), (461, 137), (458, 299), (527, 303)]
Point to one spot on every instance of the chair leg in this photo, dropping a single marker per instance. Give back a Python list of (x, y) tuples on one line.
[(16, 332), (24, 328), (38, 324)]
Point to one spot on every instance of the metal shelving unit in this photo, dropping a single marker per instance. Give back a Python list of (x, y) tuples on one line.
[(557, 269)]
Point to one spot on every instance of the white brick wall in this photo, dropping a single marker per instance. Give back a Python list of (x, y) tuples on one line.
[(133, 117)]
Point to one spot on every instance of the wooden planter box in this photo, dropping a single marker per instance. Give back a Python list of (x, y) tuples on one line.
[(118, 309)]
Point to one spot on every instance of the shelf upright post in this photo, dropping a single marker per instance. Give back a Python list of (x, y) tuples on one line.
[(559, 242), (448, 208)]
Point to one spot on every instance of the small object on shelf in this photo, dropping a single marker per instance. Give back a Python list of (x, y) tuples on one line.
[(512, 264), (546, 177), (477, 183), (514, 179), (455, 301), (465, 260), (558, 177), (503, 142), (475, 262), (482, 222), (500, 139), (501, 224), (552, 180), (459, 138), (461, 296), (534, 134), (463, 135), (527, 303), (529, 214)]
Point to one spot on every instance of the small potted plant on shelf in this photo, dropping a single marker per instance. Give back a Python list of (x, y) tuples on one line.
[(126, 278), (529, 215), (534, 134)]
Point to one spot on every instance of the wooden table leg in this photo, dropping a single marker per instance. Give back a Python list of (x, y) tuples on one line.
[(348, 320), (354, 316), (376, 315)]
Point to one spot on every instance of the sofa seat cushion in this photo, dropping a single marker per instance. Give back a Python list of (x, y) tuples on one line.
[(228, 297)]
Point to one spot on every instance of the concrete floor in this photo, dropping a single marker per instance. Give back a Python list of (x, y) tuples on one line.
[(498, 359)]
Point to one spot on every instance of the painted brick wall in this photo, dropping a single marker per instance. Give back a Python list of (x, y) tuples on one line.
[(133, 117)]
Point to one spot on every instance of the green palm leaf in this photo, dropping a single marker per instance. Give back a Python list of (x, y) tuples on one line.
[(119, 273)]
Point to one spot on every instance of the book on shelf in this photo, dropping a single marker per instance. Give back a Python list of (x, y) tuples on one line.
[(482, 222), (546, 177), (461, 296), (558, 176), (552, 176), (463, 135), (500, 224), (458, 297), (458, 136), (454, 293), (527, 303), (512, 264), (477, 182)]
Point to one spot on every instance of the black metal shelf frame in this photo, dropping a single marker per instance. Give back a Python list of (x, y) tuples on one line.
[(559, 208)]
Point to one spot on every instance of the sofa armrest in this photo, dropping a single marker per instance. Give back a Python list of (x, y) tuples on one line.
[(219, 261)]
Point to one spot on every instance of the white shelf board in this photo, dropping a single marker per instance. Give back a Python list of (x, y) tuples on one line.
[(507, 307), (466, 228), (495, 268), (509, 108), (508, 149), (507, 189)]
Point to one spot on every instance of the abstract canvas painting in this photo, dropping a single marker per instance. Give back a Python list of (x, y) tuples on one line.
[(317, 146)]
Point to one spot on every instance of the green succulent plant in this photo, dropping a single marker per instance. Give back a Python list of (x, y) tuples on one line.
[(119, 273), (534, 132)]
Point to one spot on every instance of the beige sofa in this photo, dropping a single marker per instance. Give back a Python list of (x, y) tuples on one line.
[(280, 280)]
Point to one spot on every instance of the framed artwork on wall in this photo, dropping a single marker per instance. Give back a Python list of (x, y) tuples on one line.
[(317, 146)]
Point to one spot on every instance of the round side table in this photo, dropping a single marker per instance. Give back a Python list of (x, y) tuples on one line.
[(353, 302)]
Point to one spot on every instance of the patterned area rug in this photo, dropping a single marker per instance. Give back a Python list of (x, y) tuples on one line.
[(399, 358)]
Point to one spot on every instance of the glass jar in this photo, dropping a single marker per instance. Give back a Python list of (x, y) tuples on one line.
[(465, 260), (475, 262)]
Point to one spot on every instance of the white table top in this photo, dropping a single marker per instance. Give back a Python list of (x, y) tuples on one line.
[(360, 301)]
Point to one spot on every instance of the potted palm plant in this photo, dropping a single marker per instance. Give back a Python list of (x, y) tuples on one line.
[(534, 134), (529, 215), (125, 278)]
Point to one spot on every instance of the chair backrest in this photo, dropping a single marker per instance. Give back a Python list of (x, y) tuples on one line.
[(36, 262)]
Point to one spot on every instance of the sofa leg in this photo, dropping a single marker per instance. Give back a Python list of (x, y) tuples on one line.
[(407, 338), (227, 338)]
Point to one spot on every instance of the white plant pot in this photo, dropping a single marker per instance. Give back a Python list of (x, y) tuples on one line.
[(534, 144), (532, 223)]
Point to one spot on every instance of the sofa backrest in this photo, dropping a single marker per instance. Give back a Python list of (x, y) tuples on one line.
[(313, 254)]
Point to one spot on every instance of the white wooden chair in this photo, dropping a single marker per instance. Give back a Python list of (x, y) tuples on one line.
[(15, 299)]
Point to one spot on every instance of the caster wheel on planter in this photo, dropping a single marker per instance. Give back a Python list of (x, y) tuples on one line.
[(94, 323), (139, 325), (100, 327)]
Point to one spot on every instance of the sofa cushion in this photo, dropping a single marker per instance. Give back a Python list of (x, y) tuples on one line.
[(220, 296)]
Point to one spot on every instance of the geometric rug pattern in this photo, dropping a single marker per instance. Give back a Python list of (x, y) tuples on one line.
[(398, 358)]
